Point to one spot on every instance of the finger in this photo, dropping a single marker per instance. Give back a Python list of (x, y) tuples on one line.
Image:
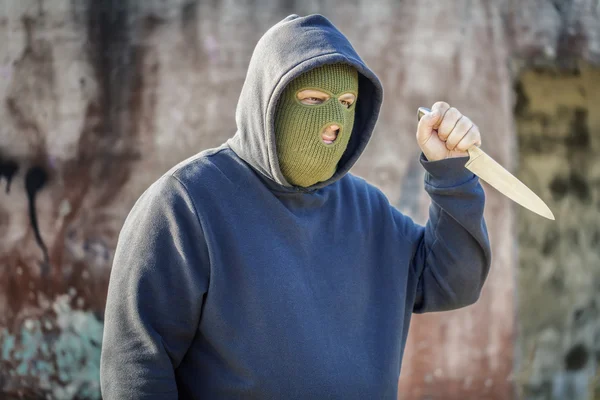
[(425, 126), (448, 123), (441, 107), (472, 138), (460, 130)]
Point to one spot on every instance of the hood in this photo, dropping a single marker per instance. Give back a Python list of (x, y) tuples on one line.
[(290, 48)]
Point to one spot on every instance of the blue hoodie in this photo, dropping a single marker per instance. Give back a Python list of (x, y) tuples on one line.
[(230, 283)]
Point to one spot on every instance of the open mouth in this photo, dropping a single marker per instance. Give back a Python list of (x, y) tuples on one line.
[(330, 133)]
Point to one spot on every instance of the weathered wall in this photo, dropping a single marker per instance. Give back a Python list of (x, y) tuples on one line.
[(99, 97), (555, 47), (559, 263)]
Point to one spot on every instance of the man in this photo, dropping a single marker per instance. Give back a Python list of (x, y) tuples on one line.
[(262, 269)]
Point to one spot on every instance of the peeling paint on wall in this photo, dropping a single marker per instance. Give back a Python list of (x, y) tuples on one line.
[(53, 355)]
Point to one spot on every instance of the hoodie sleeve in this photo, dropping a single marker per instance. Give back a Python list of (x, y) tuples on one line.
[(452, 254), (157, 282)]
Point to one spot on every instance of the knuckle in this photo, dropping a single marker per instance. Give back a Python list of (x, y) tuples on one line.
[(441, 106), (462, 127), (454, 113), (474, 133), (466, 121), (452, 140)]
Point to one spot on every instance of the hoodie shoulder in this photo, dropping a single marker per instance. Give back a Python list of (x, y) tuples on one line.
[(205, 169)]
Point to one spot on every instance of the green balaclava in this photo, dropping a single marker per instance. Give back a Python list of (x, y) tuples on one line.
[(304, 158)]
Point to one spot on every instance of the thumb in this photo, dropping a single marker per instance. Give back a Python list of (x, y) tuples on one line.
[(427, 124)]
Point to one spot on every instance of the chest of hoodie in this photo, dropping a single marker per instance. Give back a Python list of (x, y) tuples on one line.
[(305, 279), (315, 248)]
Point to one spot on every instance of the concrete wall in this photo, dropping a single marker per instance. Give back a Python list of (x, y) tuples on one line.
[(559, 263), (99, 98)]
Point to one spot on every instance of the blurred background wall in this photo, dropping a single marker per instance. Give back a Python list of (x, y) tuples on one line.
[(98, 98)]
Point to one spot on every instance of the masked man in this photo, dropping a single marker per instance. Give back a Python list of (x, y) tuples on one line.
[(263, 269)]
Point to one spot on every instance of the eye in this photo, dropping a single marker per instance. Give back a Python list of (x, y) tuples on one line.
[(347, 99), (312, 97), (311, 100)]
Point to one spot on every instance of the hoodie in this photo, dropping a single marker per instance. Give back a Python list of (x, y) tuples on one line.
[(230, 283)]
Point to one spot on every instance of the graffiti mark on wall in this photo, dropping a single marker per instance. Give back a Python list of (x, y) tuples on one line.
[(8, 169), (36, 179)]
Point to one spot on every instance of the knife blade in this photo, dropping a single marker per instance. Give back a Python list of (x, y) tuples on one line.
[(486, 168)]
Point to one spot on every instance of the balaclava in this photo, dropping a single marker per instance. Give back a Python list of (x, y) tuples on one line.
[(304, 158)]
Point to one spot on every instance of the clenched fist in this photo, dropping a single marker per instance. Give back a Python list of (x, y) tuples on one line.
[(446, 133)]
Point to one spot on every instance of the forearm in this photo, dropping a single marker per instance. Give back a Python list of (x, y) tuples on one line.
[(157, 282), (453, 258), (134, 363)]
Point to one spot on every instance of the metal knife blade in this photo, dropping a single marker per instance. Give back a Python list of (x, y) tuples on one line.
[(486, 168)]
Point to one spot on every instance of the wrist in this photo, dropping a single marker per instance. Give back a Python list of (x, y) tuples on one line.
[(446, 172)]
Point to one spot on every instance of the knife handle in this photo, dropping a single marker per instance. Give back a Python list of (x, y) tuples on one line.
[(474, 151), (422, 111)]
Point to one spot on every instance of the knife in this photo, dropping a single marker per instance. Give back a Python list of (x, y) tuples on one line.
[(499, 178)]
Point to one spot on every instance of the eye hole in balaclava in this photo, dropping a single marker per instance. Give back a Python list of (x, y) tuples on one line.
[(304, 158)]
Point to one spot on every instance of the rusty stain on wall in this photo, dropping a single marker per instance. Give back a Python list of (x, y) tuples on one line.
[(53, 298)]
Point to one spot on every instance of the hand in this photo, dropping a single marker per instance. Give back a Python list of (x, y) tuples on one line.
[(446, 133)]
